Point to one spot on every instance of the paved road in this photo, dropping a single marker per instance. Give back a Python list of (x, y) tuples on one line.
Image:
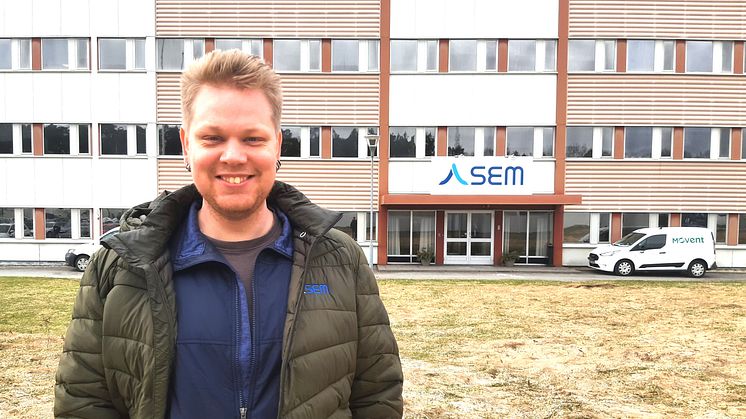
[(444, 272)]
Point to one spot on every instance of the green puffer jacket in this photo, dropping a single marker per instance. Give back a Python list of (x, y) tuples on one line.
[(332, 353)]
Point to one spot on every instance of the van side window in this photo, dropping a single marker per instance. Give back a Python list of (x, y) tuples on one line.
[(652, 242)]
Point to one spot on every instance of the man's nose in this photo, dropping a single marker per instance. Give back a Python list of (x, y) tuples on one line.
[(233, 152)]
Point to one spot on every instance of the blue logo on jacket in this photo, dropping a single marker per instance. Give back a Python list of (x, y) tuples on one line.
[(316, 289)]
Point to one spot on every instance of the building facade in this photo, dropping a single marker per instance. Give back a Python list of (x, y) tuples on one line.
[(537, 129)]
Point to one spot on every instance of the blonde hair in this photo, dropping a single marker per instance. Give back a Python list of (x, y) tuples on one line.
[(231, 68)]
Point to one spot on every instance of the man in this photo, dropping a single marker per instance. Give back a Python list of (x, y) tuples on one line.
[(231, 297)]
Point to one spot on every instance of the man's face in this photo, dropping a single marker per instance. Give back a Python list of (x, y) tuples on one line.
[(232, 145)]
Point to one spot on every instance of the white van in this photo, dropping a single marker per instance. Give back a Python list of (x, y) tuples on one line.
[(658, 249)]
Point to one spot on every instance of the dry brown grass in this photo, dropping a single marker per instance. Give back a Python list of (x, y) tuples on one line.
[(503, 349)]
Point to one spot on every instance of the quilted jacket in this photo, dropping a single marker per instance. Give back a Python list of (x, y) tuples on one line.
[(339, 356)]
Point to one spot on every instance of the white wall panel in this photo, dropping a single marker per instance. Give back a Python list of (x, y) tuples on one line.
[(16, 18), (105, 95), (127, 182), (76, 98), (47, 99), (75, 17), (576, 256), (136, 17), (472, 99), (474, 19), (17, 97), (46, 18), (105, 17), (137, 97)]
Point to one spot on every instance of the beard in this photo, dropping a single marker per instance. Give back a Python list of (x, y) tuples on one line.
[(236, 211)]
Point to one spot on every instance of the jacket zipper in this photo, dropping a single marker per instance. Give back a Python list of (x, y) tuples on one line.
[(252, 328), (241, 404)]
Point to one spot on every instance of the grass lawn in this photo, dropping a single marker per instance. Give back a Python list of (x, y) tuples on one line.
[(487, 349)]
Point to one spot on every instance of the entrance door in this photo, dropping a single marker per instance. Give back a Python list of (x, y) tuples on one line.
[(469, 238), (528, 234)]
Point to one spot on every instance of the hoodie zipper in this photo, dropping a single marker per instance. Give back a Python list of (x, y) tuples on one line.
[(252, 329), (241, 402)]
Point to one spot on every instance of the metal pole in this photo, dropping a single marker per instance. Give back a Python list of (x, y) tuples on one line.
[(370, 223)]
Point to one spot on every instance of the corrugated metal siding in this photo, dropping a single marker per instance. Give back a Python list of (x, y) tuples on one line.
[(682, 19), (338, 185), (629, 99), (168, 97), (269, 18), (328, 99), (660, 186), (308, 99)]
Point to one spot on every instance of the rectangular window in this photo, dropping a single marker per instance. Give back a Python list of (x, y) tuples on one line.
[(169, 142), (300, 142), (290, 142), (178, 53), (741, 228), (707, 143), (345, 142), (315, 141), (345, 55), (141, 139), (462, 55), (591, 55), (529, 141), (15, 138), (411, 142), (56, 139), (15, 54), (249, 46), (663, 220), (460, 141), (577, 227), (7, 223), (110, 218), (604, 226), (113, 139), (650, 55), (489, 141), (297, 55), (694, 220), (348, 224), (531, 55), (367, 226), (85, 223), (709, 56), (491, 58), (721, 228), (634, 221), (648, 142), (579, 142), (410, 55), (64, 54), (6, 138), (84, 139), (58, 223), (121, 54), (743, 143), (26, 143), (408, 232)]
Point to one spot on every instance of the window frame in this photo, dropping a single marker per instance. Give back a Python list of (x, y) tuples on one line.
[(17, 139), (304, 142), (540, 54), (305, 55), (20, 229), (412, 256), (480, 56), (246, 45), (73, 134), (659, 56), (130, 55), (16, 46), (599, 56), (73, 53), (131, 146), (717, 59), (362, 143), (538, 144), (187, 53), (715, 144)]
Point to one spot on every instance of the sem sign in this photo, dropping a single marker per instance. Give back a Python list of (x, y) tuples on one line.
[(482, 175)]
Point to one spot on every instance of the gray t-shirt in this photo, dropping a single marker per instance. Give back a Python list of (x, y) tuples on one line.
[(242, 255)]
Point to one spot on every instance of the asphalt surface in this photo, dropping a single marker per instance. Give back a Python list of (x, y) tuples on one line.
[(544, 273)]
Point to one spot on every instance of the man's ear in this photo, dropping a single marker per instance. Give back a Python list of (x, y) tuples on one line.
[(184, 143), (279, 143)]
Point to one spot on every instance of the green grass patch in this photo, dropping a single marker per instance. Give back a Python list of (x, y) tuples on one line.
[(35, 305)]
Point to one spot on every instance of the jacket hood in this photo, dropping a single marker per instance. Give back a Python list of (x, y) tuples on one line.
[(147, 228)]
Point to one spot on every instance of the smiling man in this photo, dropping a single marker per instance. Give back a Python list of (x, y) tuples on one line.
[(232, 297)]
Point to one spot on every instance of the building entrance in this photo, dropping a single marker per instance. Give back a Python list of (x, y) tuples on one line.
[(528, 233), (469, 238)]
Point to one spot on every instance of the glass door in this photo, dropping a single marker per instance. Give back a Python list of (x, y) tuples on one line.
[(469, 238), (528, 234)]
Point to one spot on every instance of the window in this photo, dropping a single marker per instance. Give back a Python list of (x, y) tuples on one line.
[(408, 232), (651, 243), (647, 142), (15, 54), (706, 143), (530, 55), (650, 55), (741, 228), (15, 138), (411, 142), (709, 56), (169, 142), (414, 55), (297, 55), (634, 221), (367, 226), (590, 142), (472, 55), (583, 227), (529, 141), (355, 225), (64, 54), (694, 220), (300, 142), (350, 142), (354, 55), (663, 220), (16, 223), (60, 139), (721, 227), (743, 143), (110, 218), (119, 139), (461, 141), (177, 53), (121, 54), (249, 46), (58, 223), (592, 55)]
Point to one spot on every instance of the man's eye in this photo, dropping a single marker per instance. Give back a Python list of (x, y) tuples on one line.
[(211, 138), (252, 139)]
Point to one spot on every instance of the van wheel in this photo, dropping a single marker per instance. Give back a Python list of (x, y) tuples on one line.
[(697, 268), (81, 262), (624, 267)]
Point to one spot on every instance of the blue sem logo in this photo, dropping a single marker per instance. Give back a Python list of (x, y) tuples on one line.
[(495, 175), (316, 289)]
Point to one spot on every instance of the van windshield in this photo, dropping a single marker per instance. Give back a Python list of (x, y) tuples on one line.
[(629, 239)]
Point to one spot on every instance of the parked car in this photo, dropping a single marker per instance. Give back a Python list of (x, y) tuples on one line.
[(689, 249), (8, 231), (78, 257)]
